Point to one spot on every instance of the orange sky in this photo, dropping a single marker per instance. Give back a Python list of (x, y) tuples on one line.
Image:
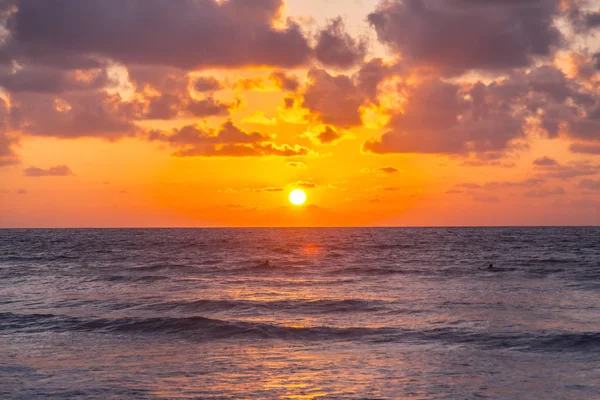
[(381, 119)]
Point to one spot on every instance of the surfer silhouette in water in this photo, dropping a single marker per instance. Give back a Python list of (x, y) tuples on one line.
[(489, 268)]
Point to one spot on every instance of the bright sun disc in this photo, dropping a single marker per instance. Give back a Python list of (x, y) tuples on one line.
[(298, 197)]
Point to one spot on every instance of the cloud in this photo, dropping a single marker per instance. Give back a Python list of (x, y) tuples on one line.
[(191, 34), (439, 117), (336, 48), (452, 117), (334, 99), (71, 115), (328, 135), (268, 189), (162, 93), (259, 118), (567, 171), (304, 185), (387, 170), (371, 74), (208, 107), (545, 162), (21, 191), (456, 36), (295, 164), (592, 20), (44, 79), (541, 193), (59, 170), (226, 141), (7, 154), (284, 81), (526, 183), (585, 148), (337, 99), (589, 184), (481, 163), (468, 186), (195, 135), (206, 84), (244, 150)]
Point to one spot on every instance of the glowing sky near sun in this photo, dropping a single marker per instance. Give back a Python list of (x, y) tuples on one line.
[(206, 113)]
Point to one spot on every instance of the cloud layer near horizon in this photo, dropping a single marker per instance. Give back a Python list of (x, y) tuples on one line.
[(473, 82)]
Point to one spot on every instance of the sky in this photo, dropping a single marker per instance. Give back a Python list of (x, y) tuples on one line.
[(208, 113)]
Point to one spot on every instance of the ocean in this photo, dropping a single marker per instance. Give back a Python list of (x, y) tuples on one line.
[(393, 313)]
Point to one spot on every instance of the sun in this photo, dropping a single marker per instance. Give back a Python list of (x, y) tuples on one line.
[(297, 197)]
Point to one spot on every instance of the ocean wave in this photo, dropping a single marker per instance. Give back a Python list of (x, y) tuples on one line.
[(133, 278), (166, 267), (375, 270), (290, 306), (201, 328)]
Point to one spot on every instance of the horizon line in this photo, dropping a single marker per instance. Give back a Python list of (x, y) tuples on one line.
[(304, 227)]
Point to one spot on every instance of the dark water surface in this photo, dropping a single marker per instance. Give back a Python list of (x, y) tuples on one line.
[(339, 313)]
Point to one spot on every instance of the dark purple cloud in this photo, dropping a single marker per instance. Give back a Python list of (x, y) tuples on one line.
[(7, 154), (163, 93), (186, 34), (72, 115), (207, 84), (195, 135), (570, 170), (334, 99), (459, 35), (526, 183), (59, 170), (371, 74), (582, 148), (42, 79), (545, 162), (455, 118), (438, 118), (541, 193), (328, 135), (208, 107), (589, 184), (592, 20), (336, 48), (284, 81), (226, 141)]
